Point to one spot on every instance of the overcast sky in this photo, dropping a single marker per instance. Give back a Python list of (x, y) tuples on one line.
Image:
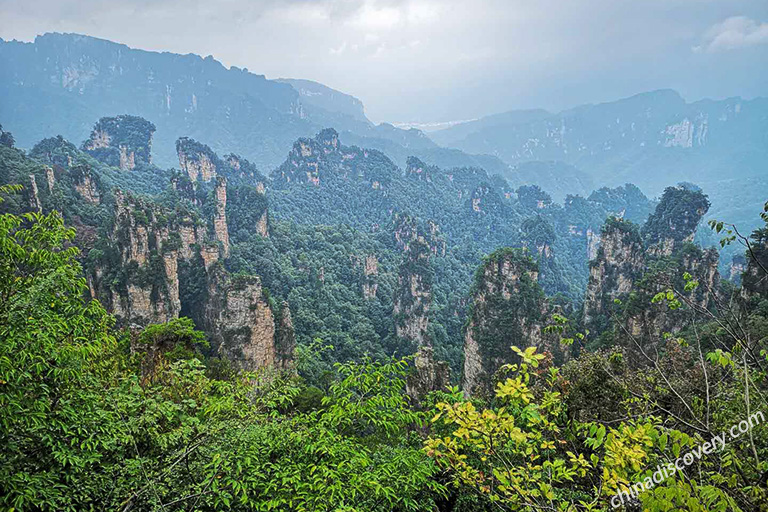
[(426, 60)]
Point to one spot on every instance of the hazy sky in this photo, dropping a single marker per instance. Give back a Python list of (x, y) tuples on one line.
[(426, 60)]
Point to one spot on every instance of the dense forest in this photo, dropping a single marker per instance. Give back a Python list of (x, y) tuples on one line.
[(345, 334)]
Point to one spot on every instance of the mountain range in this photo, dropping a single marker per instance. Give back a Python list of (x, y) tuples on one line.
[(60, 83)]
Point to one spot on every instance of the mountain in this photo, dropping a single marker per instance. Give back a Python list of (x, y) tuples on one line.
[(60, 83), (653, 140), (317, 95), (650, 139)]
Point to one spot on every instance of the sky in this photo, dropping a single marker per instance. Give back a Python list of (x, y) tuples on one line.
[(435, 61)]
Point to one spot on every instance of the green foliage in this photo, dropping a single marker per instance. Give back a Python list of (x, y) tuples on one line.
[(676, 216)]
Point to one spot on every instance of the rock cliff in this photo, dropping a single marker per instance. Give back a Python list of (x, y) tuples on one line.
[(632, 266), (508, 308), (240, 321), (413, 302), (370, 274), (675, 219), (220, 230), (619, 262), (155, 263), (196, 160), (122, 141), (134, 272)]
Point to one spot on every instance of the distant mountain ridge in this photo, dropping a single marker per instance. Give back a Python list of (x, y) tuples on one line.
[(61, 82), (650, 138)]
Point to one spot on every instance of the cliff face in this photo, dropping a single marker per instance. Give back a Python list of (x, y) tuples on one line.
[(413, 301), (322, 159), (137, 276), (754, 280), (142, 273), (196, 160), (634, 266), (508, 308), (674, 221), (370, 274), (86, 184), (413, 298), (221, 232), (620, 260), (428, 374), (285, 339), (123, 141), (240, 321)]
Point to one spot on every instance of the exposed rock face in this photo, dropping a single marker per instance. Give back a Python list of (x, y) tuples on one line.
[(34, 195), (240, 321), (86, 184), (593, 243), (413, 299), (738, 267), (285, 338), (370, 273), (648, 322), (139, 280), (416, 169), (754, 280), (635, 272), (145, 288), (50, 178), (428, 374), (262, 225), (508, 308), (220, 219), (674, 221), (123, 141), (322, 159), (620, 260), (408, 231), (197, 160)]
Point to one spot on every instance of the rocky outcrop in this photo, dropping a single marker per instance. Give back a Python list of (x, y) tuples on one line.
[(620, 260), (122, 141), (754, 280), (413, 298), (316, 161), (508, 308), (635, 270), (285, 341), (240, 321), (370, 275), (86, 184), (220, 229), (196, 160), (137, 276), (413, 302), (427, 374), (675, 219), (737, 268), (418, 170), (50, 178), (34, 195)]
